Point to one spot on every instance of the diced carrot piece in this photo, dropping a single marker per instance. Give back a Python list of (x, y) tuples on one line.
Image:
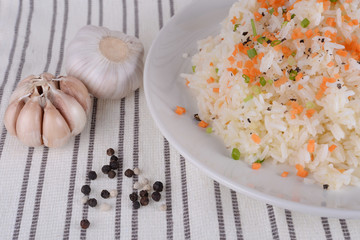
[(314, 54), (234, 20), (309, 33), (311, 146), (331, 22), (239, 64), (249, 64), (336, 75), (256, 38), (355, 22), (346, 67), (257, 16), (332, 148), (284, 174), (310, 112), (341, 170), (203, 124), (233, 70), (341, 53), (264, 5), (299, 76), (256, 166), (299, 167), (302, 173), (330, 64), (231, 60), (286, 51), (211, 64), (260, 55), (187, 83), (288, 16), (210, 80), (293, 116), (255, 138), (215, 90), (319, 94), (281, 81), (300, 87), (180, 110)]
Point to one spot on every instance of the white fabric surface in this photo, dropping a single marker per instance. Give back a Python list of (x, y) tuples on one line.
[(40, 189)]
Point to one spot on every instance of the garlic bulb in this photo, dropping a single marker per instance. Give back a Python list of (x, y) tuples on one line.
[(47, 110), (110, 63)]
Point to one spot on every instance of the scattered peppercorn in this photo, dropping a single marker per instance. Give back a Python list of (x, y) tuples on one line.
[(196, 116), (129, 173), (133, 197), (106, 169), (245, 33), (86, 189), (325, 186), (144, 201), (114, 158), (158, 186), (105, 194), (84, 224), (136, 205), (144, 193), (156, 196), (92, 202), (110, 152), (114, 165), (339, 85), (111, 174), (92, 175)]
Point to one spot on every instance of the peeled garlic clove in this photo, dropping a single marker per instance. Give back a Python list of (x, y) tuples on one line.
[(29, 123), (110, 63), (75, 88), (11, 115), (70, 109), (55, 130)]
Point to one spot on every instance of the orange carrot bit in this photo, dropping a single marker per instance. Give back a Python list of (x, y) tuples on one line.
[(297, 33), (309, 33), (236, 51), (299, 167), (256, 166), (293, 116), (264, 5), (288, 16), (336, 75), (256, 38), (342, 7), (332, 148), (211, 64), (233, 70), (257, 16), (314, 54), (255, 138), (355, 22), (215, 90), (239, 64), (351, 24), (286, 51), (210, 80), (284, 174), (203, 124), (319, 94), (249, 64), (341, 53), (346, 67), (234, 20), (310, 112), (231, 60), (331, 22), (261, 55), (341, 170), (187, 83), (281, 81), (180, 110), (330, 64), (348, 1), (277, 48), (302, 173), (299, 76), (311, 146)]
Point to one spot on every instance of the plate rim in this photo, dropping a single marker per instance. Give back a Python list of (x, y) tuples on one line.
[(250, 192)]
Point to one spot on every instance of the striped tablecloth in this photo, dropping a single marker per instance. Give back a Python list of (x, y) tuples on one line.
[(40, 188)]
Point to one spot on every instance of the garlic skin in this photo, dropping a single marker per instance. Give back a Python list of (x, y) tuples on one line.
[(110, 63), (47, 110)]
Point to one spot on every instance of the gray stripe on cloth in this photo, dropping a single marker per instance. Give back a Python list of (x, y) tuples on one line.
[(63, 37), (22, 198), (172, 9), (219, 210), (326, 226), (161, 20), (345, 229), (290, 224), (70, 196), (236, 211), (90, 159), (25, 181), (11, 55), (40, 185), (38, 195), (168, 199), (272, 219), (134, 221), (120, 149), (120, 170), (101, 10), (185, 200), (88, 22)]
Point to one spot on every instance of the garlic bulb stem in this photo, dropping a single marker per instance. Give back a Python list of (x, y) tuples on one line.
[(113, 49)]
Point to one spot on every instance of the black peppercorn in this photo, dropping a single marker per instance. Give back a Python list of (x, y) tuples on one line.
[(106, 169), (158, 186), (129, 173), (144, 193), (133, 197), (92, 202), (114, 165), (144, 201), (111, 174), (92, 175), (110, 152), (114, 158), (105, 194), (136, 205), (84, 224), (86, 189), (156, 196), (325, 186)]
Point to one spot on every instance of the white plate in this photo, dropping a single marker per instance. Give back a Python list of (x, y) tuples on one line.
[(165, 89)]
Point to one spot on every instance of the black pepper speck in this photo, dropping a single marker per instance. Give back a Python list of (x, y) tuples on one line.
[(110, 152), (106, 169), (92, 202), (92, 175), (105, 194), (156, 196), (86, 189), (84, 224)]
